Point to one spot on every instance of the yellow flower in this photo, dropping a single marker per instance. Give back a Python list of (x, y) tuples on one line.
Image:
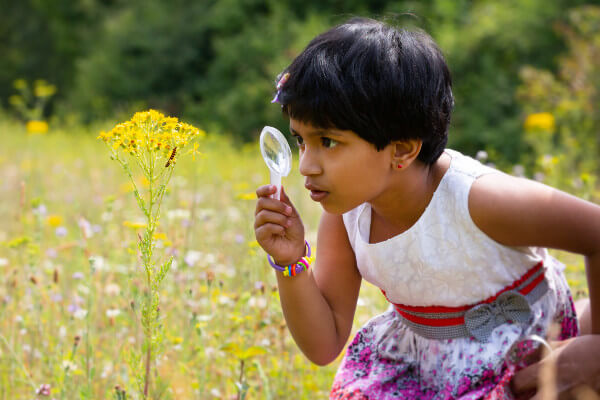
[(160, 236), (126, 187), (541, 121), (194, 150), (40, 127), (152, 134), (177, 340), (43, 89), (54, 220), (20, 84), (134, 225), (247, 196)]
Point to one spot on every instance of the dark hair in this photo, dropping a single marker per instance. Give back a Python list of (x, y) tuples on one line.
[(383, 83)]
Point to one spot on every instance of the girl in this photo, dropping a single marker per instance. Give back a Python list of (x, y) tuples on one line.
[(457, 248)]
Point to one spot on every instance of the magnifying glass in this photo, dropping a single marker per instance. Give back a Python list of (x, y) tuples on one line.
[(277, 155), (527, 351)]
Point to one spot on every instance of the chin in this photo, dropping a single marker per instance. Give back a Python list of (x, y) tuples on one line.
[(335, 209)]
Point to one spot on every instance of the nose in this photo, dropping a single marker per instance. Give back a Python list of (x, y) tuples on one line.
[(309, 163)]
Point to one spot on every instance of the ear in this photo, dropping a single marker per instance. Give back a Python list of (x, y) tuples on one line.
[(405, 152)]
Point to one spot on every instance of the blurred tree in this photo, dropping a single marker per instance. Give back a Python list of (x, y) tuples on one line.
[(215, 62), (562, 129), (486, 43), (42, 39)]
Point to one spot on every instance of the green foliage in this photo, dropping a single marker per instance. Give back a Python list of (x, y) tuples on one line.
[(570, 96), (215, 62)]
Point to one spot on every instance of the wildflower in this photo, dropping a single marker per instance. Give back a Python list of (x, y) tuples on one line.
[(54, 220), (20, 84), (481, 155), (51, 253), (518, 170), (86, 228), (44, 390), (246, 196), (134, 225), (69, 365), (37, 127), (152, 132), (177, 340), (61, 231), (80, 313), (112, 289), (40, 210), (540, 121), (77, 275), (178, 213), (192, 257), (111, 313), (3, 262), (194, 150), (43, 89)]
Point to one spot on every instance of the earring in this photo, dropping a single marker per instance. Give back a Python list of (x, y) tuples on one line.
[(399, 166)]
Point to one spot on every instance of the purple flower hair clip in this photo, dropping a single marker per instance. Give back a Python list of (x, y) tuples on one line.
[(280, 84)]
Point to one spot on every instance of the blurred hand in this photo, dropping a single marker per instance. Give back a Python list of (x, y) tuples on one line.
[(577, 363), (278, 227)]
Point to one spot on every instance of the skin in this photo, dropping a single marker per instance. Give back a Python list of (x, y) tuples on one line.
[(319, 305)]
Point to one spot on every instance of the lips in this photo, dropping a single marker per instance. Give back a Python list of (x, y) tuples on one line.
[(316, 193)]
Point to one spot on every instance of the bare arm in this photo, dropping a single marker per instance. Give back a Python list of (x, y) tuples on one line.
[(319, 304)]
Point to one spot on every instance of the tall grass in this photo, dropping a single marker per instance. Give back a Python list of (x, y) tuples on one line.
[(70, 268)]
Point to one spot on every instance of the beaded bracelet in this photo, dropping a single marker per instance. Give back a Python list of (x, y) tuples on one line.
[(294, 269)]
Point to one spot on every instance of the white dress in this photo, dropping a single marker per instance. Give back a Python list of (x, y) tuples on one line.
[(442, 266)]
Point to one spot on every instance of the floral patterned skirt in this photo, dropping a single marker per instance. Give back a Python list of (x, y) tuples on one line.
[(386, 360)]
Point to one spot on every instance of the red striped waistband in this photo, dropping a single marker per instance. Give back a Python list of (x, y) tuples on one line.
[(440, 316)]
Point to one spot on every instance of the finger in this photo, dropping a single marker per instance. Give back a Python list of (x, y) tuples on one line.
[(270, 217), (267, 203), (526, 379), (267, 231), (266, 190)]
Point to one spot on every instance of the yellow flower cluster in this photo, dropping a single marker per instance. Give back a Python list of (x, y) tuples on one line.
[(540, 121), (34, 127), (150, 131)]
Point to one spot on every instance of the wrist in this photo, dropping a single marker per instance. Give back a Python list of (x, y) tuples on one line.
[(301, 252), (295, 267)]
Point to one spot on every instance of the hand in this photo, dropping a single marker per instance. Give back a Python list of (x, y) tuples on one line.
[(278, 227), (577, 363)]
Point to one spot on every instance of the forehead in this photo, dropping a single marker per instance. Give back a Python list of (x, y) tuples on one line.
[(306, 129)]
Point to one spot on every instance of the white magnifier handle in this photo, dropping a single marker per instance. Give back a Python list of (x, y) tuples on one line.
[(276, 180)]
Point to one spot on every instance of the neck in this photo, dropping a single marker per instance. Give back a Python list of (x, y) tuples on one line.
[(409, 193)]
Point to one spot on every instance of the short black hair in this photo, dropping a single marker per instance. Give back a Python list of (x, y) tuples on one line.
[(381, 82)]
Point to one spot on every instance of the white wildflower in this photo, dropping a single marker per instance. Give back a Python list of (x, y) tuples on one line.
[(112, 312)]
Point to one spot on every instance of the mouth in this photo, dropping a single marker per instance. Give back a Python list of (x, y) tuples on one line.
[(316, 193)]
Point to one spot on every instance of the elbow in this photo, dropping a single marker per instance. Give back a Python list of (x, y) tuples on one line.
[(322, 358)]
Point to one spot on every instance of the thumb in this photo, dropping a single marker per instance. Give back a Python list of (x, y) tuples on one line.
[(284, 198)]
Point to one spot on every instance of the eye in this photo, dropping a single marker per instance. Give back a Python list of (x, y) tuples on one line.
[(299, 140), (328, 142)]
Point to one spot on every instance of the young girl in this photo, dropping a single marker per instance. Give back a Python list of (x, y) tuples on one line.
[(457, 248)]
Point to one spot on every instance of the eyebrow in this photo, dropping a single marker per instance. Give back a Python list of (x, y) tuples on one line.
[(317, 132)]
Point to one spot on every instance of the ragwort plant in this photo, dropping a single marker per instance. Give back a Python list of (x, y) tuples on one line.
[(153, 143)]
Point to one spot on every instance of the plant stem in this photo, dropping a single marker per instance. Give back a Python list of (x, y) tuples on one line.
[(14, 356), (148, 354), (241, 384)]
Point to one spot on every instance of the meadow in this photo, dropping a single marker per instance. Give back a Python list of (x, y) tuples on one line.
[(71, 276)]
